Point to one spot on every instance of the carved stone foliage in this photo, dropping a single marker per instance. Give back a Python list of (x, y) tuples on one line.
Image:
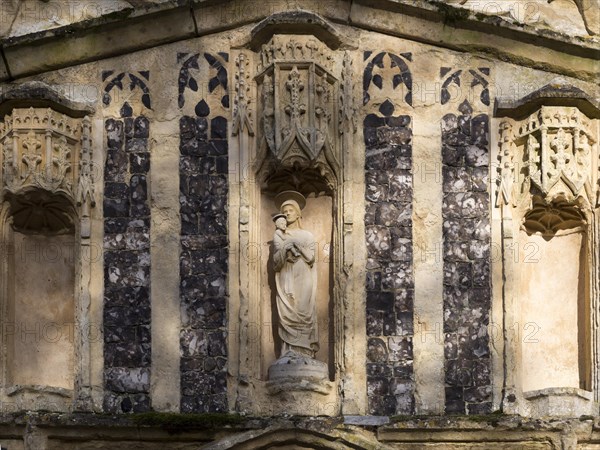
[(45, 153), (550, 153), (298, 98), (385, 75)]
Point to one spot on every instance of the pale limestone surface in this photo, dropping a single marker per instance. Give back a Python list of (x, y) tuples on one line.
[(508, 79)]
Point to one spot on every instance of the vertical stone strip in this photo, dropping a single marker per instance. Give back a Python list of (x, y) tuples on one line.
[(388, 229), (127, 346), (203, 168), (466, 257)]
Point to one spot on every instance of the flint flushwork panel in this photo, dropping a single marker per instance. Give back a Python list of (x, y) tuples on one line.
[(127, 346), (466, 259), (203, 169)]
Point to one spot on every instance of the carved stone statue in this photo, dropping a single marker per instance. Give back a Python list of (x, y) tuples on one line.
[(296, 278), (296, 292)]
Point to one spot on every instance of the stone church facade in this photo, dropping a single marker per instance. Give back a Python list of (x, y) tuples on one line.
[(443, 156)]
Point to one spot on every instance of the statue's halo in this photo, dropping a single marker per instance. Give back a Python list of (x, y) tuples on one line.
[(290, 195)]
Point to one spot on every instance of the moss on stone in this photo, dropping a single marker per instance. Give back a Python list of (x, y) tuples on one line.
[(452, 14)]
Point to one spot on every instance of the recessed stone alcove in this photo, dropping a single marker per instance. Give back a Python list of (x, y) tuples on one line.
[(46, 199)]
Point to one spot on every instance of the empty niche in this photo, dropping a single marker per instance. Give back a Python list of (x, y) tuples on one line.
[(555, 309)]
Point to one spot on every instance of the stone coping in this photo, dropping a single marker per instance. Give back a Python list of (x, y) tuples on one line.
[(131, 30)]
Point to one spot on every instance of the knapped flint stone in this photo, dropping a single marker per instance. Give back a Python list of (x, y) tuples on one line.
[(450, 346), (389, 214), (453, 156), (396, 275), (382, 406), (121, 379), (378, 241), (125, 296), (201, 241), (139, 163), (129, 316), (369, 421), (400, 348), (455, 406), (404, 323), (374, 121), (401, 249), (452, 205), (120, 334), (456, 297), (377, 387), (136, 145), (459, 373), (116, 207), (128, 126), (193, 343), (373, 281), (481, 229), (474, 204), (376, 193), (193, 404), (456, 179), (479, 250), (376, 350), (481, 372), (218, 147), (382, 301), (458, 274), (477, 156), (370, 213), (204, 313), (464, 125), (126, 354), (453, 319), (393, 137), (403, 300), (114, 133), (374, 322), (389, 324), (479, 297), (478, 394), (403, 369), (479, 130), (480, 179), (217, 343), (218, 128), (449, 124), (479, 408), (218, 403), (456, 251), (400, 186), (481, 273), (116, 166), (204, 262), (455, 139), (398, 121), (405, 404), (379, 370), (141, 127), (116, 190)]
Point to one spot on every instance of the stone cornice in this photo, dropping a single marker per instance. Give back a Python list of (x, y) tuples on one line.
[(447, 26)]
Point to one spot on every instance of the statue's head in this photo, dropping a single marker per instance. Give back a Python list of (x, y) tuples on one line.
[(291, 204)]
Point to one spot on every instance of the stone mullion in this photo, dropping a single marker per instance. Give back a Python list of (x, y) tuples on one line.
[(466, 258), (127, 309), (203, 168), (390, 285)]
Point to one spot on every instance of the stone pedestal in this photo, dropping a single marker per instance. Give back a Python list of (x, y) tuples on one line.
[(293, 372)]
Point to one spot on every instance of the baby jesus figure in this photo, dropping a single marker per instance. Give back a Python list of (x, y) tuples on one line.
[(281, 233)]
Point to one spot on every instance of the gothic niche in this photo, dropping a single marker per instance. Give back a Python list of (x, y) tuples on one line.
[(548, 186), (297, 170), (47, 192)]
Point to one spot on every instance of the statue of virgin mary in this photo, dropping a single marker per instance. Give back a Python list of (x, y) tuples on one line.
[(296, 279)]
